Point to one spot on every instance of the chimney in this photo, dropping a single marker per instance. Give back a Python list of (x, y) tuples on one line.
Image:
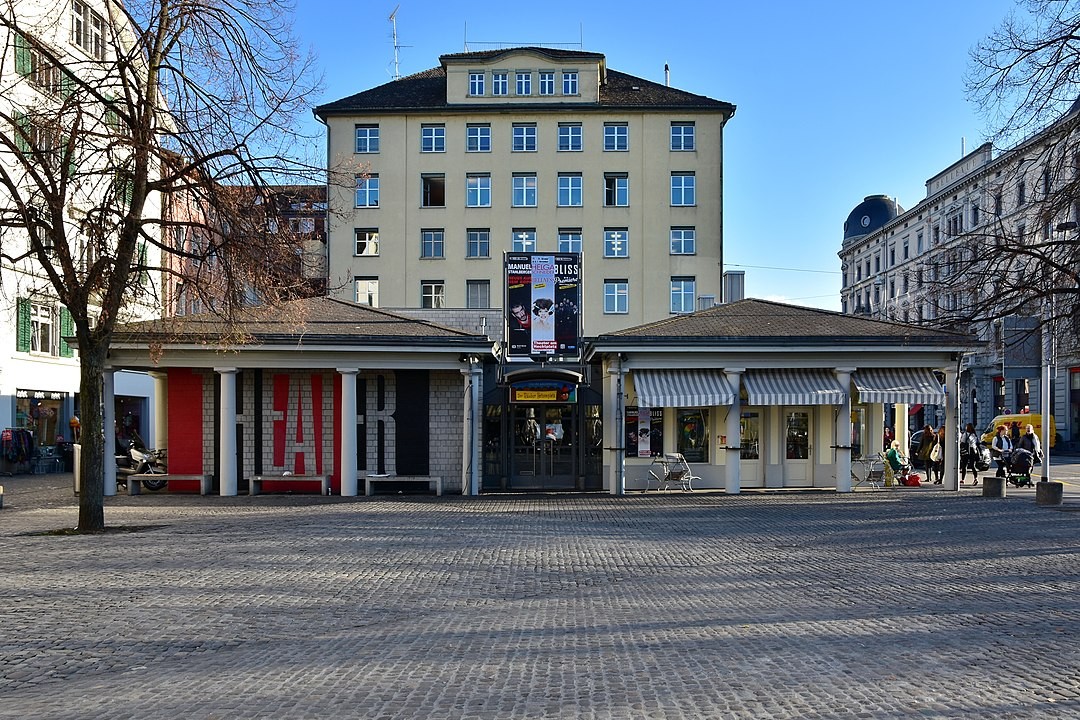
[(667, 75)]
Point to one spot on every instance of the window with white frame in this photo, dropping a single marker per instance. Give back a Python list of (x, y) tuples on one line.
[(433, 138), (366, 242), (570, 240), (616, 297), (570, 189), (367, 190), (683, 241), (499, 84), (367, 291), (478, 190), (367, 138), (524, 190), (524, 83), (682, 189), (682, 294), (616, 190), (524, 137), (524, 239), (547, 83), (569, 137), (431, 243), (476, 83), (478, 243), (432, 294), (682, 136), (616, 243), (569, 82), (478, 138), (477, 293), (87, 29), (42, 326), (616, 137)]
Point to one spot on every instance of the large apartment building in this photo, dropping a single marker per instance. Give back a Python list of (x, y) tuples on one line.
[(925, 265), (442, 184), (46, 46), (524, 150)]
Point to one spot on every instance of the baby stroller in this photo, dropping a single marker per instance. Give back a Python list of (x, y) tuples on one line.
[(1018, 466)]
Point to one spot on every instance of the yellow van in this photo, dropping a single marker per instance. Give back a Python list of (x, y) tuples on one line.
[(1025, 419)]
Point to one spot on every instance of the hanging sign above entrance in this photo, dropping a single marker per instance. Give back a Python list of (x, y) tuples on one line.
[(543, 301), (534, 391)]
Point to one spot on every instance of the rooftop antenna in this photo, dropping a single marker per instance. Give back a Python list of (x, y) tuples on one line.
[(393, 21)]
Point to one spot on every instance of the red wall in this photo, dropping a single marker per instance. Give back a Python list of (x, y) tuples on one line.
[(185, 427)]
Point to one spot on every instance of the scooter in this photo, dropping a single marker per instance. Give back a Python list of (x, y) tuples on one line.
[(143, 461)]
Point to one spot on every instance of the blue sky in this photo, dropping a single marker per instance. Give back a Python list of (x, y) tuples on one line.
[(836, 99)]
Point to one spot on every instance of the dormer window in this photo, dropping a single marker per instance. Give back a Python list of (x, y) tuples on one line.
[(569, 83), (524, 83), (476, 83), (547, 83)]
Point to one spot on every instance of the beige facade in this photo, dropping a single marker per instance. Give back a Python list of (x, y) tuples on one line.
[(524, 181)]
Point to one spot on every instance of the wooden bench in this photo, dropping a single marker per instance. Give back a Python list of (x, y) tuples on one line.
[(255, 484), (134, 482), (371, 480)]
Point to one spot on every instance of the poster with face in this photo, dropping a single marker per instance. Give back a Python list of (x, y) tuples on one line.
[(543, 297)]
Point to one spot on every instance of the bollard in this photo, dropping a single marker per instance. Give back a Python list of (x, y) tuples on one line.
[(993, 486), (1, 497), (1048, 493)]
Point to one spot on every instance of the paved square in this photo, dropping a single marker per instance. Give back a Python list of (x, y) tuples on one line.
[(912, 603)]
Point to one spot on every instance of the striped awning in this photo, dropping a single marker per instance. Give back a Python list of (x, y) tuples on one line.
[(790, 386), (682, 388), (898, 385)]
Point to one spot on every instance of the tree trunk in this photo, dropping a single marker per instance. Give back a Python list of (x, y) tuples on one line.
[(92, 464)]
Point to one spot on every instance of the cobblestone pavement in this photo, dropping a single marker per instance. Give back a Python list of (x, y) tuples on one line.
[(910, 603)]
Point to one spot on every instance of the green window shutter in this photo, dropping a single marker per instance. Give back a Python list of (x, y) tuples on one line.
[(144, 275), (22, 131), (124, 188), (67, 328), (23, 329), (24, 64), (67, 84)]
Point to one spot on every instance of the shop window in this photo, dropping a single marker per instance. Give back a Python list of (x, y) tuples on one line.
[(750, 433), (692, 434)]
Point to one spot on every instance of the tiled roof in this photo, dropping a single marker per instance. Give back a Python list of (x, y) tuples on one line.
[(427, 91), (558, 54), (318, 320), (754, 321)]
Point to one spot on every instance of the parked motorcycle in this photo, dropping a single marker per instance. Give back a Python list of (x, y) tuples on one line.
[(143, 461)]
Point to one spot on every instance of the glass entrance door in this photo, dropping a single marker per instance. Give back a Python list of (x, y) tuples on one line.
[(797, 447), (543, 443)]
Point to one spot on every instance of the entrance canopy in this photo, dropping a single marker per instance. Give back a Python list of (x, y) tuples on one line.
[(898, 385), (682, 388), (804, 386)]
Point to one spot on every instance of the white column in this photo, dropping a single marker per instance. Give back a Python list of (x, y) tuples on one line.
[(161, 410), (614, 430), (347, 461), (733, 446), (843, 433), (952, 429), (477, 370), (227, 431), (108, 426)]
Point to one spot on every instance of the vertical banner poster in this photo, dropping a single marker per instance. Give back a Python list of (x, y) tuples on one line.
[(644, 432), (543, 297)]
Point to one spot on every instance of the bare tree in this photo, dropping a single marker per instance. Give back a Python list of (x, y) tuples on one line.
[(131, 168), (1022, 256)]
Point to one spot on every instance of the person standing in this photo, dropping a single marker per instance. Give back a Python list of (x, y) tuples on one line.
[(1030, 441), (927, 440), (1000, 447), (969, 454), (939, 464)]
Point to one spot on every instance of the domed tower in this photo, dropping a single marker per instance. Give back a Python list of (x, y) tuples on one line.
[(870, 215)]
